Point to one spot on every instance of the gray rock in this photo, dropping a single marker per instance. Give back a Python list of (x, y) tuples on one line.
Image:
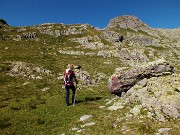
[(122, 81), (30, 35), (143, 82), (89, 124), (85, 117), (136, 110), (170, 111), (135, 55), (75, 129), (164, 131), (19, 68), (112, 108), (159, 98)]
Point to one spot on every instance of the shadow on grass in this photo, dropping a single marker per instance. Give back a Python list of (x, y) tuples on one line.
[(86, 99)]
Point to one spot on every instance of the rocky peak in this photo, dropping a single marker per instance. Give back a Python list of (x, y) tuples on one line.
[(128, 22)]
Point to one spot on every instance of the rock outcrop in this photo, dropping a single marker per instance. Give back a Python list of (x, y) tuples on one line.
[(30, 35), (123, 80), (135, 55), (29, 70), (157, 97)]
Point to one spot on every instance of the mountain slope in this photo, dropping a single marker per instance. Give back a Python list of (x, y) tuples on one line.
[(33, 58)]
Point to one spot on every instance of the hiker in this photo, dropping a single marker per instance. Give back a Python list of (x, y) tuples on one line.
[(69, 77)]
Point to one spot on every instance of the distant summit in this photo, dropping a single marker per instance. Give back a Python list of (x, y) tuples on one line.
[(128, 21)]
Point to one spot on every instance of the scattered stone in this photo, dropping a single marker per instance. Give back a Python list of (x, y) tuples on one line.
[(80, 130), (75, 129), (164, 131), (102, 107), (85, 117), (45, 89), (124, 128), (108, 62), (89, 124), (114, 124), (26, 83), (136, 110), (112, 108)]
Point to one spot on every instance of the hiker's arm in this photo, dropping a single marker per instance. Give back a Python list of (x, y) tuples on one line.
[(75, 78)]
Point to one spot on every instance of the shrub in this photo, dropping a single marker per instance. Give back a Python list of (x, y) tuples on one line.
[(3, 105), (15, 106), (40, 120), (146, 128), (5, 122), (32, 104)]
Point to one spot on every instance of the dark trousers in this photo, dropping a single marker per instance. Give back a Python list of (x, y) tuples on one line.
[(67, 88)]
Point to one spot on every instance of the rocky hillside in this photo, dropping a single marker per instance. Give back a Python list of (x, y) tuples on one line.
[(143, 68)]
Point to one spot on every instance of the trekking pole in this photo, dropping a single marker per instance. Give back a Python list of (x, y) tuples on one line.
[(79, 67), (75, 96)]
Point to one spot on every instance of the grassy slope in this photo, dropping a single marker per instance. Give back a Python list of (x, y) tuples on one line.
[(25, 109)]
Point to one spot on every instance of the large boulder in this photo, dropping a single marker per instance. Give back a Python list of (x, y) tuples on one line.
[(123, 79)]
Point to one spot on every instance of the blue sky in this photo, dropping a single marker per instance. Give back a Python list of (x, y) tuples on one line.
[(155, 13)]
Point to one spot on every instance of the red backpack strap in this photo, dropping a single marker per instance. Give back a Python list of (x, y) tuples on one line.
[(68, 75)]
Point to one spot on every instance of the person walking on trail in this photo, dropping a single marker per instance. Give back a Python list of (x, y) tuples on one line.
[(69, 78)]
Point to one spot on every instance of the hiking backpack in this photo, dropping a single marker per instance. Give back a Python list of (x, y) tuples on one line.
[(68, 76)]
